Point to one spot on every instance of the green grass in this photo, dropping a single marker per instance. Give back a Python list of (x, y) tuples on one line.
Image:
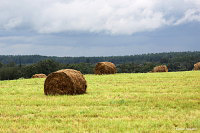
[(145, 102)]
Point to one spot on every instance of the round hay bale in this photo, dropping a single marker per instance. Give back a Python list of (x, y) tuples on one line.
[(65, 82), (39, 76), (197, 66), (162, 68), (105, 68)]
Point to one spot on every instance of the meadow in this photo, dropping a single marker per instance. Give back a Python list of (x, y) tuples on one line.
[(136, 102)]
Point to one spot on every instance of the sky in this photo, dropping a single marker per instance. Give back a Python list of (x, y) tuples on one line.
[(98, 27)]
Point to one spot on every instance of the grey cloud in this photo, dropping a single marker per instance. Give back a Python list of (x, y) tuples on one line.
[(179, 38), (98, 27)]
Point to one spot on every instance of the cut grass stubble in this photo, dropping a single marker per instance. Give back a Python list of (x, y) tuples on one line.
[(145, 102)]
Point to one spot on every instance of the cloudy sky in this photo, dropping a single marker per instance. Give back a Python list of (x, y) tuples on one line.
[(98, 27)]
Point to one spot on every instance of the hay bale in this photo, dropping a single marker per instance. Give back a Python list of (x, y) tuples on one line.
[(197, 66), (162, 68), (105, 68), (39, 76), (65, 82)]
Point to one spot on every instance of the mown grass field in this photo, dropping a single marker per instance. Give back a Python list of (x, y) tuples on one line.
[(145, 102)]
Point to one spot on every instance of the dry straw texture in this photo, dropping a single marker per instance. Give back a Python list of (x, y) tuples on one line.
[(39, 76), (162, 68), (105, 68), (65, 82), (197, 66)]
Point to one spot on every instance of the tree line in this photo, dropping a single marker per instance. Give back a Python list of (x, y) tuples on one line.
[(138, 59), (14, 67)]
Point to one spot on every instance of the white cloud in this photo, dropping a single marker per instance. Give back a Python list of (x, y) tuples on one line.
[(12, 23), (194, 2), (190, 15), (108, 16)]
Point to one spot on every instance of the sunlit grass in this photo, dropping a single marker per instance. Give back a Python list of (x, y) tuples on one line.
[(164, 102)]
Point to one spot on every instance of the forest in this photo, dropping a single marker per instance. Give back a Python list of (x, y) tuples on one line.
[(24, 66)]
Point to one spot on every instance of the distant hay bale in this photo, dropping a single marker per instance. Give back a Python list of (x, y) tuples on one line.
[(162, 68), (197, 66), (65, 82), (39, 76), (105, 68)]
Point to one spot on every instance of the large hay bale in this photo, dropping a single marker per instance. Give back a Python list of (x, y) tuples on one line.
[(105, 68), (162, 68), (39, 76), (197, 66), (65, 82)]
